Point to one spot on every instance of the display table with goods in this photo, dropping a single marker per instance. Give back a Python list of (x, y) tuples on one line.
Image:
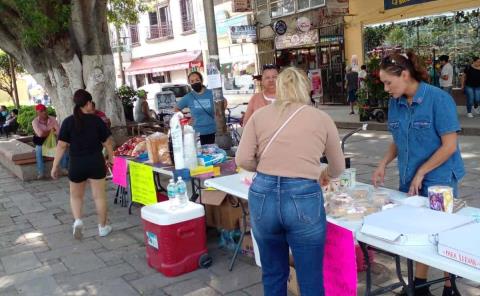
[(361, 208)]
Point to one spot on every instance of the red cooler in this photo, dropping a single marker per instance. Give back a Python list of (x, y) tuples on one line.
[(175, 238)]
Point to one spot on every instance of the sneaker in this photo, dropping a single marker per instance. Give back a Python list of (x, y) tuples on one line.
[(105, 230), (352, 113), (40, 176), (476, 110), (469, 115), (78, 229), (64, 172)]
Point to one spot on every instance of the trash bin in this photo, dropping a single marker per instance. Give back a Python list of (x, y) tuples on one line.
[(175, 238)]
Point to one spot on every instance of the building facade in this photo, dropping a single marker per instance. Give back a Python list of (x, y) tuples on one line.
[(307, 34), (171, 40)]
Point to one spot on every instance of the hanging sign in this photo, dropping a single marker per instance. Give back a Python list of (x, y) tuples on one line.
[(143, 186), (390, 4), (241, 5), (243, 34), (316, 81)]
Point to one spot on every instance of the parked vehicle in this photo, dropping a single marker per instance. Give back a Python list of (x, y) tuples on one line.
[(178, 89)]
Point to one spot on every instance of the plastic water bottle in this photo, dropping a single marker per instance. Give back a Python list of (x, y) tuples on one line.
[(181, 192), (171, 189)]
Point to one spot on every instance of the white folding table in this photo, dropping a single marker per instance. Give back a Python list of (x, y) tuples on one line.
[(425, 254)]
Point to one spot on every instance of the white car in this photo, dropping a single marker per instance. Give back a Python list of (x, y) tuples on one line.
[(158, 93)]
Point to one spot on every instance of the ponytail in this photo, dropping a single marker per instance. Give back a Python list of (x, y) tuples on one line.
[(395, 64), (80, 98)]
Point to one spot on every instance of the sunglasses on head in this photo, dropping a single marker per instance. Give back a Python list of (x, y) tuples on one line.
[(269, 67)]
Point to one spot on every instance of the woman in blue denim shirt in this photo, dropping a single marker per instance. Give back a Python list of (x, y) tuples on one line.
[(424, 125)]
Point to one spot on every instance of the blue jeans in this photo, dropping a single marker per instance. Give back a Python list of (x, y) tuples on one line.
[(288, 212), (473, 96), (41, 164)]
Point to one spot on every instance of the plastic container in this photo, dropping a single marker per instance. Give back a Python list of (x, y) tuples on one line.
[(175, 238), (177, 140), (189, 147)]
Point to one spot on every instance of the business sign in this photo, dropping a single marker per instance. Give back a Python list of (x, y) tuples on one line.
[(241, 5), (243, 34), (390, 4), (296, 39)]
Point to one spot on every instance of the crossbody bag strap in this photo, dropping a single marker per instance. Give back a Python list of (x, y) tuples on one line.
[(280, 129), (205, 110)]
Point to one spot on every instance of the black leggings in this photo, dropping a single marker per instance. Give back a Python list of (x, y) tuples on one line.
[(207, 139), (86, 167)]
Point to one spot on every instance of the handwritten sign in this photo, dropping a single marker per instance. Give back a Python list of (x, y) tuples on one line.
[(143, 186), (120, 171), (339, 263), (390, 4)]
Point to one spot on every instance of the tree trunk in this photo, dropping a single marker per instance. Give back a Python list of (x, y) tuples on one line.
[(13, 79), (78, 58)]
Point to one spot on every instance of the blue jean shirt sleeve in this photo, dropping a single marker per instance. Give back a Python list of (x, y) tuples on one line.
[(184, 102), (446, 117)]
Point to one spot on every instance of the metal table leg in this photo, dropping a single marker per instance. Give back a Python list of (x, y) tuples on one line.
[(410, 275), (453, 280), (242, 235)]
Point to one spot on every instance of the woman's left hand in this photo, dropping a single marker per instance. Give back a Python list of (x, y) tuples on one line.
[(416, 184)]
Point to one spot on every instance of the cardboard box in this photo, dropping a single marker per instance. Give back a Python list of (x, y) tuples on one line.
[(247, 246), (220, 210), (292, 282)]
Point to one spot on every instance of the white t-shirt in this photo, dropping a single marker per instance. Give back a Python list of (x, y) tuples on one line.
[(447, 69)]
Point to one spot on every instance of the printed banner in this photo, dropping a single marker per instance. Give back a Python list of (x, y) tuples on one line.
[(142, 184), (339, 263), (120, 171), (316, 81), (390, 4)]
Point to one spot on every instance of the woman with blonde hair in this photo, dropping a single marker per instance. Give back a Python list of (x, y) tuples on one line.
[(283, 143)]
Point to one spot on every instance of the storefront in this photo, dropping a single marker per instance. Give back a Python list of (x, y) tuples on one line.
[(369, 12), (310, 40), (165, 68)]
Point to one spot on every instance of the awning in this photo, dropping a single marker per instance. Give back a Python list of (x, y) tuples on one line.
[(171, 62)]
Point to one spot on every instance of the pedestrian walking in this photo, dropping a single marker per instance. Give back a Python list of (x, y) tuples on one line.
[(283, 143), (351, 85), (471, 85), (424, 124), (85, 134), (446, 75)]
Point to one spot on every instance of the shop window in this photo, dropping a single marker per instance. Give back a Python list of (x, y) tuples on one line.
[(186, 10), (140, 80)]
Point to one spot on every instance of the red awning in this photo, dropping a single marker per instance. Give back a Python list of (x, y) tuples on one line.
[(171, 62)]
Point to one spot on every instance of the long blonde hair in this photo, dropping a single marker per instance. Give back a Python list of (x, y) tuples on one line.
[(293, 86)]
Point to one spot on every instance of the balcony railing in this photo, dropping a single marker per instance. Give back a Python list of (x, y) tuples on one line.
[(188, 24), (134, 35), (159, 31)]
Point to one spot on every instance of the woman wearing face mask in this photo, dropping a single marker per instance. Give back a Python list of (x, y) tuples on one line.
[(201, 105), (424, 124)]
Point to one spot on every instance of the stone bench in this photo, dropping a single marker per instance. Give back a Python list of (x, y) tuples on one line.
[(19, 158)]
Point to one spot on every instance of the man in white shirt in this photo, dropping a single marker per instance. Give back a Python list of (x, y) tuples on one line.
[(446, 76)]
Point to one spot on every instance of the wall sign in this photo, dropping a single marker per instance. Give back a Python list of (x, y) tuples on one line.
[(296, 39), (390, 4), (280, 27), (241, 5), (243, 34), (304, 24)]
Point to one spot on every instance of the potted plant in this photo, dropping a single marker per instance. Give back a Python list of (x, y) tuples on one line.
[(362, 104), (128, 96), (373, 94)]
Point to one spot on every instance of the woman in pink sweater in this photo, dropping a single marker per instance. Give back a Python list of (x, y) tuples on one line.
[(267, 96), (283, 142)]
